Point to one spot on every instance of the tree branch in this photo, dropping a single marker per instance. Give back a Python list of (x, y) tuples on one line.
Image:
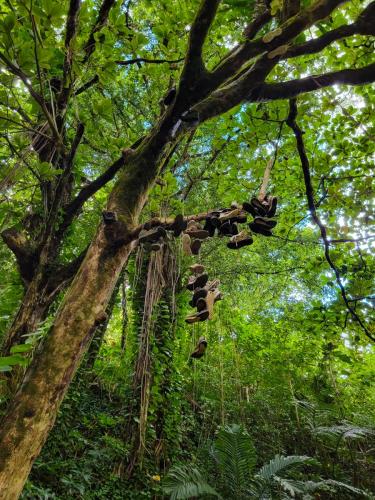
[(76, 141), (74, 206), (66, 272), (71, 22), (194, 68), (291, 122), (364, 25), (281, 36), (145, 60), (22, 250), (87, 85), (206, 14), (257, 24), (293, 88), (101, 21), (38, 98), (318, 44), (251, 30)]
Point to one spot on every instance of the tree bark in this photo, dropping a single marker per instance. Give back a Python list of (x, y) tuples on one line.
[(34, 408)]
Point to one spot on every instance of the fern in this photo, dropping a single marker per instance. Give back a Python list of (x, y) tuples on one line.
[(294, 487), (187, 482), (344, 430), (280, 463), (236, 457)]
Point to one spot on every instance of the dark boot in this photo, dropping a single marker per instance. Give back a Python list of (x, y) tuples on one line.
[(200, 348), (178, 225), (195, 247), (255, 208), (256, 228), (208, 301), (194, 230), (198, 316), (209, 227), (228, 229), (258, 206), (202, 292), (240, 240), (197, 281), (265, 223), (198, 294), (272, 206), (249, 208)]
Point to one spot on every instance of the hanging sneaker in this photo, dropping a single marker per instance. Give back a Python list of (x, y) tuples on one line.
[(196, 317), (200, 348), (197, 281), (240, 240)]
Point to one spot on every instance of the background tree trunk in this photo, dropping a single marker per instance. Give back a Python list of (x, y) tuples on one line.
[(100, 331)]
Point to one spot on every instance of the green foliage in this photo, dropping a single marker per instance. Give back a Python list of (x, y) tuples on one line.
[(235, 455), (187, 482), (284, 358)]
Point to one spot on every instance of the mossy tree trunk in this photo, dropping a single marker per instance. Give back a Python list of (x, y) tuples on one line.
[(33, 410)]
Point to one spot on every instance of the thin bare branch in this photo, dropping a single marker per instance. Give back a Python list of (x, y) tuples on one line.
[(149, 61), (291, 122)]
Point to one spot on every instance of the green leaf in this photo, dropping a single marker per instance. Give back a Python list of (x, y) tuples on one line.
[(12, 360), (9, 22), (21, 348)]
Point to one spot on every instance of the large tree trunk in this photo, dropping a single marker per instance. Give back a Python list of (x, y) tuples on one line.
[(32, 413), (43, 279), (34, 408)]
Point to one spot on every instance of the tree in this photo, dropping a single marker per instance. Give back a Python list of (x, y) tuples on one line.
[(237, 77)]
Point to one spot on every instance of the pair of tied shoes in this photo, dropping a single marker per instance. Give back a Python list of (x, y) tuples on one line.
[(240, 240), (262, 226), (204, 299), (200, 348), (265, 208)]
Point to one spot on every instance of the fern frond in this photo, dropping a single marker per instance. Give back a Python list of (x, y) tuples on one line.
[(344, 430), (235, 454), (186, 482), (294, 487), (280, 463)]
